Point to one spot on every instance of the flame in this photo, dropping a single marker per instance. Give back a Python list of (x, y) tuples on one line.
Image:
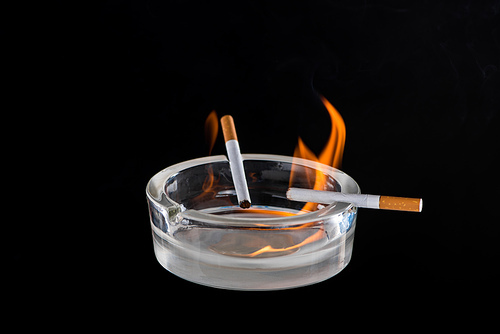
[(331, 154), (334, 149), (211, 130), (269, 212), (210, 182), (269, 249)]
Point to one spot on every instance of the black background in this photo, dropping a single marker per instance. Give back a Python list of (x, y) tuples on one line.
[(417, 83)]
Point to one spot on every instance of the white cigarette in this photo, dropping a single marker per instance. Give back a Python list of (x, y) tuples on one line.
[(359, 200), (235, 161)]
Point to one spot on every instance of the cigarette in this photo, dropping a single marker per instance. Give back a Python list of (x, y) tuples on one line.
[(359, 200), (235, 161)]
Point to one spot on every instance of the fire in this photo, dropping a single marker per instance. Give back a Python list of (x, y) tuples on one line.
[(269, 249), (211, 130), (270, 212), (334, 149), (210, 183), (330, 155)]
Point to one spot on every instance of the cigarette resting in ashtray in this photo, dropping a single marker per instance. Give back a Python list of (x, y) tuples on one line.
[(235, 161), (359, 200), (306, 195)]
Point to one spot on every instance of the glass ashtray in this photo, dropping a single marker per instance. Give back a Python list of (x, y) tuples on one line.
[(202, 235)]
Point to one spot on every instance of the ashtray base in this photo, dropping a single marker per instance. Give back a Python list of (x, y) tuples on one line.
[(236, 273)]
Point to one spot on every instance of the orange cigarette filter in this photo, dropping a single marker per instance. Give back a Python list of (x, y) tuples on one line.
[(400, 203), (228, 128)]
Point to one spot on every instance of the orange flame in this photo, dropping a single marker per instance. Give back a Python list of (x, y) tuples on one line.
[(330, 155), (211, 130), (334, 149), (269, 249)]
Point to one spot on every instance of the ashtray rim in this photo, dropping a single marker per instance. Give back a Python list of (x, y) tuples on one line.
[(155, 191)]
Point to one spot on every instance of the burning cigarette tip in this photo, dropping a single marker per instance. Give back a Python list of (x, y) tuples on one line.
[(245, 204)]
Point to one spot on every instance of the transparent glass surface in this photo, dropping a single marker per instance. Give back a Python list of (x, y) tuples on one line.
[(202, 235)]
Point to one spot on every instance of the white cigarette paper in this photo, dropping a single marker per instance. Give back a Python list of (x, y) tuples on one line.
[(235, 161), (237, 171), (328, 197), (359, 200)]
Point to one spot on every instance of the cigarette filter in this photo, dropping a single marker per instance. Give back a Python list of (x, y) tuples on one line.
[(235, 161)]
